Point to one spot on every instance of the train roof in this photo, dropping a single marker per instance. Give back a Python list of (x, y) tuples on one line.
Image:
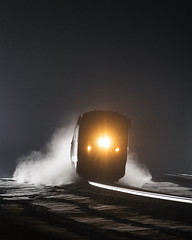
[(104, 114)]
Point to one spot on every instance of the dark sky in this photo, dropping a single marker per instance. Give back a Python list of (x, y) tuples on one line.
[(62, 58)]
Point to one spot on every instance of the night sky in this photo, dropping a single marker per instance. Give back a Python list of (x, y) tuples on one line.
[(62, 58)]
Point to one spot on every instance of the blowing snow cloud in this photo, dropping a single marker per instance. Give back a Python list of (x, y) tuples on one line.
[(51, 166)]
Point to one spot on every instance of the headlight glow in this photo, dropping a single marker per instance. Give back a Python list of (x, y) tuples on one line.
[(117, 149), (89, 148), (104, 142)]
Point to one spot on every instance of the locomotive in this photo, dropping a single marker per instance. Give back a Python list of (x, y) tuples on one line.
[(99, 145)]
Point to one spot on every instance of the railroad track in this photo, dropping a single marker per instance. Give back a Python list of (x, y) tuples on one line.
[(82, 211)]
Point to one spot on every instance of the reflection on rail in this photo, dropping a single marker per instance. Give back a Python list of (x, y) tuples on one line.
[(144, 193)]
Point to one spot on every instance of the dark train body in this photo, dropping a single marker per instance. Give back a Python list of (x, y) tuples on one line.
[(99, 145)]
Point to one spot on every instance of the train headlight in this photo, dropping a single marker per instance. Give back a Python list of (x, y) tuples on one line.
[(89, 148), (116, 149), (104, 142)]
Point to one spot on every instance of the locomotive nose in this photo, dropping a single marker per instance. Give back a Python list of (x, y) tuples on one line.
[(99, 145)]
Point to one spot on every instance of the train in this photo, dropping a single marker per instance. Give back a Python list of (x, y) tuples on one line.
[(99, 145)]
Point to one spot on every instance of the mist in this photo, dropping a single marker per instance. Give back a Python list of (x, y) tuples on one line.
[(52, 165), (136, 174)]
